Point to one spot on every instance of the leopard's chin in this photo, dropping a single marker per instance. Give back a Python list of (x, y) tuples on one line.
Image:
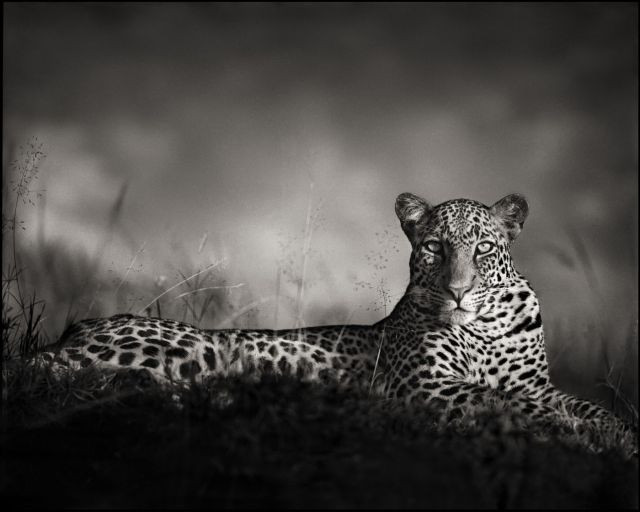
[(457, 316)]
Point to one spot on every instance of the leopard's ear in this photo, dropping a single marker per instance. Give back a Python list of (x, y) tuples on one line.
[(412, 211), (511, 212)]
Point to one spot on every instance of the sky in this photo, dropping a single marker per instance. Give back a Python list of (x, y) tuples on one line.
[(220, 126)]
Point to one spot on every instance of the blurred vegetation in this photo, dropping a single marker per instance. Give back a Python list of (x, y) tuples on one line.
[(121, 440), (234, 105), (46, 288), (553, 105), (110, 439)]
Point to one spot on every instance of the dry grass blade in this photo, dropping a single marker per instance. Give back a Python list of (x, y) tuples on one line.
[(126, 274), (308, 231), (193, 292), (230, 319), (209, 267), (375, 374)]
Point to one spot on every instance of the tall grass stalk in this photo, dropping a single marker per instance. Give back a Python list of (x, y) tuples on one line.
[(186, 279), (385, 297), (308, 231), (113, 219), (277, 304), (228, 321), (22, 312), (198, 316), (126, 274), (374, 375)]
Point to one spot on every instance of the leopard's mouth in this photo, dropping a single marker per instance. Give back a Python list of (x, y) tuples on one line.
[(455, 314), (461, 316)]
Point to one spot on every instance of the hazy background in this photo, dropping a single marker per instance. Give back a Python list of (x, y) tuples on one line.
[(181, 135)]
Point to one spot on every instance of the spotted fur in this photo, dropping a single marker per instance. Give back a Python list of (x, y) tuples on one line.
[(467, 329), (176, 351)]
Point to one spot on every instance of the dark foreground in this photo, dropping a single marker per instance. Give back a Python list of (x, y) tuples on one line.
[(281, 444)]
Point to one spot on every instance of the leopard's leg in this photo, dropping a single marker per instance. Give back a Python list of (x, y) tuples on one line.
[(594, 421), (60, 367), (584, 410), (457, 397), (52, 361)]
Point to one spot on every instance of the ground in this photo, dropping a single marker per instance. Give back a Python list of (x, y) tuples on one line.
[(279, 443)]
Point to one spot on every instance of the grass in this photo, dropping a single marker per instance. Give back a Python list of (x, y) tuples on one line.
[(107, 439), (113, 439), (22, 311)]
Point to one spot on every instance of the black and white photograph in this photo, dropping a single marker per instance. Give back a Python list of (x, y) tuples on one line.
[(320, 255)]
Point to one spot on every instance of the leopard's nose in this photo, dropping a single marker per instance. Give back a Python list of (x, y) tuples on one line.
[(458, 292)]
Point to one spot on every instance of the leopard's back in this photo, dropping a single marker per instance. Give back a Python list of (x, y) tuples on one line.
[(178, 351)]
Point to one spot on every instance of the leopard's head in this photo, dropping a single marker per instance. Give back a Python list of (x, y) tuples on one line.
[(460, 251)]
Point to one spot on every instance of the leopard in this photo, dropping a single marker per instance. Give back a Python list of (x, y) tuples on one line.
[(467, 329)]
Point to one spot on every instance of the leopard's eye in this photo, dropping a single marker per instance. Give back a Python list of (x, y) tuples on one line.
[(433, 246), (484, 247)]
